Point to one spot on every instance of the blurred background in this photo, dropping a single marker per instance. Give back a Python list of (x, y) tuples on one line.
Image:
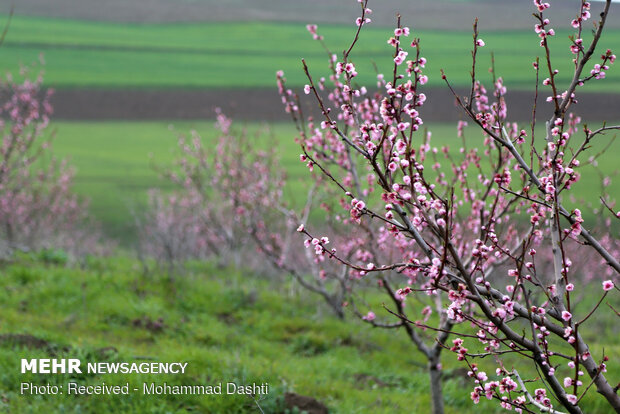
[(124, 70)]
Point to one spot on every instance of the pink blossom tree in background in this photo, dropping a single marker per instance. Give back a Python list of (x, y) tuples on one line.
[(470, 232), (220, 188), (169, 231), (38, 209), (228, 204)]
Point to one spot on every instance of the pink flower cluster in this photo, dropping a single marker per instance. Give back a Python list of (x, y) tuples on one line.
[(479, 233)]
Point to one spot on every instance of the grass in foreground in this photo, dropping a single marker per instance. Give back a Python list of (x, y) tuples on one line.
[(225, 325), (247, 55), (228, 326)]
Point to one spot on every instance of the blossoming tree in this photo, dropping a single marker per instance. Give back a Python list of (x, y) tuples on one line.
[(38, 208), (470, 232), (221, 188), (229, 204)]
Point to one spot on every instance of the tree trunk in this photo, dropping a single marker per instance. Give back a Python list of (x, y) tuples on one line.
[(435, 383)]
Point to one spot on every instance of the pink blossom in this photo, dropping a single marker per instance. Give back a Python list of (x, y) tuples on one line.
[(359, 21), (401, 31), (400, 58), (311, 28), (608, 285), (370, 316), (571, 399)]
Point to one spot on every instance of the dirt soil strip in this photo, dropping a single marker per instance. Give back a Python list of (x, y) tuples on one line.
[(418, 14), (265, 105)]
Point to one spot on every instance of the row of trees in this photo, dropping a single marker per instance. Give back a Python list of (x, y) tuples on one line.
[(475, 248)]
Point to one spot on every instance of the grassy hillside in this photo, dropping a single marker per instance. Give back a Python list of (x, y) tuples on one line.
[(240, 55), (225, 326), (228, 326)]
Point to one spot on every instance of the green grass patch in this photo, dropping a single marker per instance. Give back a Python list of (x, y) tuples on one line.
[(226, 326), (115, 172), (115, 161), (246, 54)]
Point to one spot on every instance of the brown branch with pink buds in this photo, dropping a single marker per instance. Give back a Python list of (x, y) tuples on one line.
[(498, 220)]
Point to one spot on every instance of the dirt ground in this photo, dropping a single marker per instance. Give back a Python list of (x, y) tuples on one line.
[(420, 14), (265, 105)]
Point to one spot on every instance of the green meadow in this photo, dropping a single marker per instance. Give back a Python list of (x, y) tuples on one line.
[(227, 325), (115, 161), (247, 55)]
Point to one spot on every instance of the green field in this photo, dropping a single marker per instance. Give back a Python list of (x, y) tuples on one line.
[(115, 171), (243, 55), (115, 161), (228, 325)]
